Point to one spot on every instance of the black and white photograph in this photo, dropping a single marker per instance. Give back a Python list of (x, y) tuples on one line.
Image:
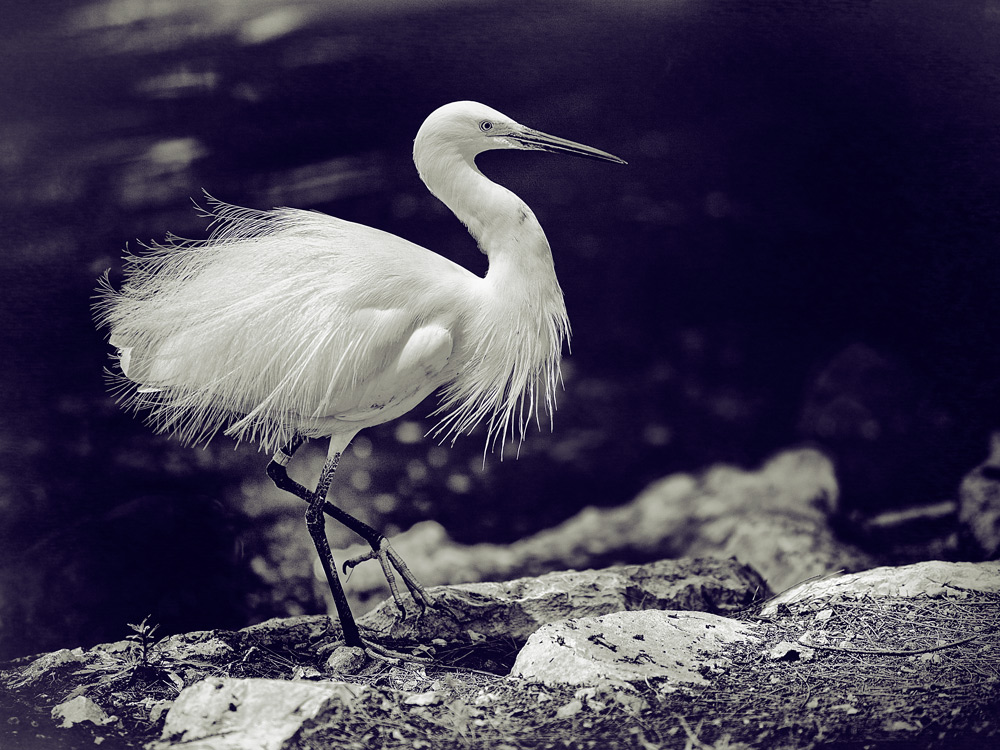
[(499, 374)]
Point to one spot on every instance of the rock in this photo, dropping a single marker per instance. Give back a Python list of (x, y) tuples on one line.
[(204, 644), (891, 442), (288, 631), (934, 579), (42, 667), (667, 657), (513, 610), (346, 660), (426, 698), (630, 647), (787, 651), (78, 710), (249, 714), (774, 518), (979, 503)]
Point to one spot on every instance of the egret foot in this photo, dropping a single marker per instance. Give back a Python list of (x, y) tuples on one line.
[(388, 558), (354, 659), (389, 656)]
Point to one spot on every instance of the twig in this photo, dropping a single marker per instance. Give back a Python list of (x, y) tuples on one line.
[(889, 652)]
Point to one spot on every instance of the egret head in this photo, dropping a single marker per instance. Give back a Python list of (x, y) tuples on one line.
[(469, 128)]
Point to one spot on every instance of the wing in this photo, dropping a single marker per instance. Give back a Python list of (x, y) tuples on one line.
[(282, 316)]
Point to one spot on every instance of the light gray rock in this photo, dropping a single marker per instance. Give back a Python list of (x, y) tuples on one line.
[(42, 667), (280, 631), (249, 714), (78, 710), (630, 647), (775, 519), (346, 660), (934, 579), (194, 645), (979, 502)]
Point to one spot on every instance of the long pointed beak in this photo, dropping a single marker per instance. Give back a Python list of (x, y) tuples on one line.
[(537, 141)]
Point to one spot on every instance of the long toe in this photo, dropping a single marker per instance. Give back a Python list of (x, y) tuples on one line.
[(355, 660), (390, 559), (381, 653), (390, 577), (393, 564)]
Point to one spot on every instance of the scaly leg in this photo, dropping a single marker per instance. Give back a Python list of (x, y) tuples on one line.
[(381, 549), (316, 523)]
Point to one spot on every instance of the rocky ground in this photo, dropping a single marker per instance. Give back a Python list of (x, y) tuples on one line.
[(905, 657), (690, 653)]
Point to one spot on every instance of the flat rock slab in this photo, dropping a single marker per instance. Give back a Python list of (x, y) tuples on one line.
[(933, 579), (516, 609), (630, 647), (248, 714)]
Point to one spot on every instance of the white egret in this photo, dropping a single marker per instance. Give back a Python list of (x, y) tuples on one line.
[(287, 324)]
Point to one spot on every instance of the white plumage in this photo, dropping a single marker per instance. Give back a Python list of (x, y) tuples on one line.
[(284, 321)]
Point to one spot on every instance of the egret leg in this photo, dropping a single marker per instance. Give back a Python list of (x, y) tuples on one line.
[(316, 523), (382, 550)]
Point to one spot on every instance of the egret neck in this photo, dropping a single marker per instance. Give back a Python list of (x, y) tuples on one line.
[(503, 225), (522, 317)]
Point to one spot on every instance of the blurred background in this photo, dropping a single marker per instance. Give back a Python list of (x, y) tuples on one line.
[(802, 248)]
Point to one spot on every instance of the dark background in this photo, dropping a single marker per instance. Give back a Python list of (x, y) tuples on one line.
[(803, 179)]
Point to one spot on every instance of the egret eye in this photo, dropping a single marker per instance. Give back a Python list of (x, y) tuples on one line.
[(486, 126)]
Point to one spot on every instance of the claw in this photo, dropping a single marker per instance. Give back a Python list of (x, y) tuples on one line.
[(353, 562)]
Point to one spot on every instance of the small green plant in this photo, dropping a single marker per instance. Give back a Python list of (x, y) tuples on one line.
[(143, 639)]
